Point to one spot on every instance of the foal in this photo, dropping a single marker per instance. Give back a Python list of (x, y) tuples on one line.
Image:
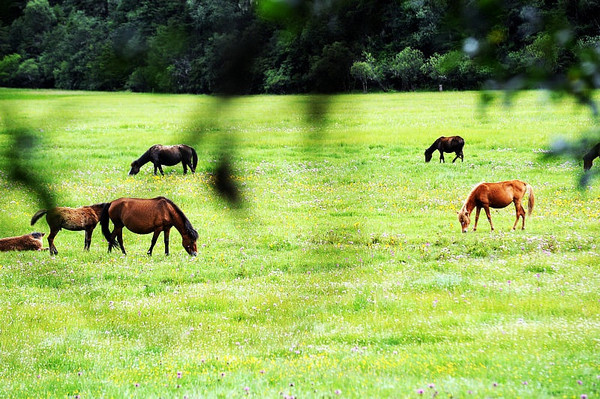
[(496, 195), (27, 242), (74, 219), (446, 144)]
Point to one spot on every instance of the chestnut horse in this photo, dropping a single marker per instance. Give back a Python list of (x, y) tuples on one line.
[(446, 144), (588, 159), (168, 155), (27, 242), (74, 219), (145, 216), (495, 195)]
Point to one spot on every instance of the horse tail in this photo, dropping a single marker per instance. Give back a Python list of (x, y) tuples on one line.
[(194, 158), (531, 200), (38, 215), (104, 220)]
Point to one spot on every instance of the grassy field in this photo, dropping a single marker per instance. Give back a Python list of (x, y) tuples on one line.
[(344, 274)]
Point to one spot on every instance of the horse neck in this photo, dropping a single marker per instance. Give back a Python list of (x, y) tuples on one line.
[(144, 159), (179, 223), (468, 205), (433, 147)]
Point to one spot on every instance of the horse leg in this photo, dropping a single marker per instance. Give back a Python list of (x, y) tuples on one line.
[(520, 213), (166, 234), (52, 249), (489, 216), (184, 167), (456, 157), (88, 238), (118, 234), (476, 218), (154, 238), (160, 168), (442, 157), (120, 238)]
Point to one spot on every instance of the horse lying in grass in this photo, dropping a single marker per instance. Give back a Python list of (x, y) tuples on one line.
[(168, 155), (446, 144), (27, 242), (74, 219), (145, 216), (496, 195), (588, 159)]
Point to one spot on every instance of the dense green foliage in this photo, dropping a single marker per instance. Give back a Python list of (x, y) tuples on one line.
[(344, 275), (285, 46)]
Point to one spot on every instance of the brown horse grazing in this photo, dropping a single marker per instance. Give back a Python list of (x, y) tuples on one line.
[(168, 155), (74, 219), (588, 159), (495, 195), (145, 216), (446, 144), (28, 242)]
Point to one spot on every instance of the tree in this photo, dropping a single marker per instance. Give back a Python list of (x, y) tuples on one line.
[(363, 72), (407, 65)]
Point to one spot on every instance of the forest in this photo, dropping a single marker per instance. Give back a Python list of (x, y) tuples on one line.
[(293, 46)]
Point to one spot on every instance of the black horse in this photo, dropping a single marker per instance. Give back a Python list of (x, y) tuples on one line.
[(446, 144), (168, 155), (588, 159)]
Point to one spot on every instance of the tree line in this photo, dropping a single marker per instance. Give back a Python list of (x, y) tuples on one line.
[(295, 46)]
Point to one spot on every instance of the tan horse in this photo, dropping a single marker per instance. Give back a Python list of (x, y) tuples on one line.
[(74, 219), (496, 195), (145, 216)]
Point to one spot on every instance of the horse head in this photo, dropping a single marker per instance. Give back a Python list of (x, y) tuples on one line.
[(189, 244), (428, 156), (135, 168), (464, 220)]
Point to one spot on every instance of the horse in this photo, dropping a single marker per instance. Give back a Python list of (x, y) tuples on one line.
[(168, 155), (588, 158), (27, 242), (145, 216), (74, 219), (496, 195), (446, 144)]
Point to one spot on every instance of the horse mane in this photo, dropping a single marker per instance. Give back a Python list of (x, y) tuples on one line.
[(186, 223), (464, 207)]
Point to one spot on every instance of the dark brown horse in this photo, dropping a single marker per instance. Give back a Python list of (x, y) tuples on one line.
[(495, 195), (168, 155), (446, 144), (145, 216), (27, 242), (74, 219), (588, 159)]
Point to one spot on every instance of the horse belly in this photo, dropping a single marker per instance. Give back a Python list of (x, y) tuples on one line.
[(169, 160)]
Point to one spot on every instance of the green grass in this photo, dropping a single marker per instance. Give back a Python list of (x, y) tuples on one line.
[(345, 272)]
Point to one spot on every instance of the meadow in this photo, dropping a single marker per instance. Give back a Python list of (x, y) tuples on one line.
[(343, 274)]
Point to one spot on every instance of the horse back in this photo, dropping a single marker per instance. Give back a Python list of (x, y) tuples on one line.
[(73, 218), (168, 155), (142, 216)]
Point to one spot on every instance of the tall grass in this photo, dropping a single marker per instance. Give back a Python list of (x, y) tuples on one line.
[(344, 274)]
